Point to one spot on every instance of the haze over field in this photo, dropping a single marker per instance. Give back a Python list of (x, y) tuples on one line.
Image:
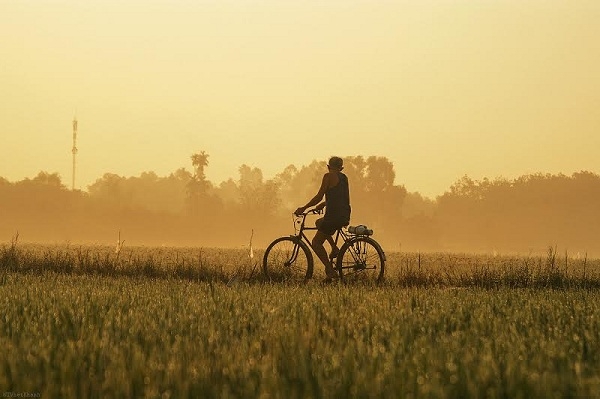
[(440, 88)]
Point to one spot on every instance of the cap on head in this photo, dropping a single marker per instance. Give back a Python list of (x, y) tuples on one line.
[(336, 162)]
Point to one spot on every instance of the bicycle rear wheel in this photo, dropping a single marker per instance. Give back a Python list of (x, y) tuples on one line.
[(361, 259), (288, 259)]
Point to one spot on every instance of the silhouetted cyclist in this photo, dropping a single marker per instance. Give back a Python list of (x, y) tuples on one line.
[(334, 187)]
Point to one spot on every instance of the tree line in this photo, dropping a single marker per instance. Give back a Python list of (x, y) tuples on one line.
[(524, 215)]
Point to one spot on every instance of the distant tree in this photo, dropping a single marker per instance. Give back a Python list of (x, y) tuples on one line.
[(4, 182), (198, 186), (111, 190), (257, 196), (45, 179), (147, 191), (530, 212), (5, 191), (376, 199), (416, 204), (380, 175), (285, 181), (174, 190), (297, 186), (229, 192), (181, 175), (199, 162)]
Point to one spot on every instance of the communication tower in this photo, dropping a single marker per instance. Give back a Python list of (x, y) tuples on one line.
[(74, 150)]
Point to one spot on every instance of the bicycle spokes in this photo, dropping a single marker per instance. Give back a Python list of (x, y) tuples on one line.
[(287, 260), (362, 260)]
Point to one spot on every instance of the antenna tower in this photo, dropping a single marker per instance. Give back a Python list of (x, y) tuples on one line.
[(74, 150)]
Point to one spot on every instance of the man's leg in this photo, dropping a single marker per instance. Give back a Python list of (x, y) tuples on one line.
[(330, 240), (317, 245)]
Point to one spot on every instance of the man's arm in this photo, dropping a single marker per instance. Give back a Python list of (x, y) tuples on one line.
[(317, 198)]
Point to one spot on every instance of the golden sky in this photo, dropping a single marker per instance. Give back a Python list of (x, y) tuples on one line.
[(441, 88)]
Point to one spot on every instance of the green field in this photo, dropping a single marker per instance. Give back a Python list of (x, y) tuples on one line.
[(159, 322)]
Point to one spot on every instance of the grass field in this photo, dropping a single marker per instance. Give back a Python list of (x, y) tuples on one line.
[(159, 322)]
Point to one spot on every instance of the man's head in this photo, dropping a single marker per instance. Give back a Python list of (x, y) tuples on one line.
[(336, 163)]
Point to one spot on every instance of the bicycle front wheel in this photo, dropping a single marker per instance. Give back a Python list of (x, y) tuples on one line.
[(288, 259), (361, 259)]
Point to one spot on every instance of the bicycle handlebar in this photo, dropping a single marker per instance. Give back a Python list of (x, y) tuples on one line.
[(312, 211)]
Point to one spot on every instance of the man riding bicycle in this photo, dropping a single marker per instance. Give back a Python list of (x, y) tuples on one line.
[(334, 187)]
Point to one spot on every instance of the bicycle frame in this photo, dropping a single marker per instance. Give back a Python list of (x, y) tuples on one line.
[(302, 236)]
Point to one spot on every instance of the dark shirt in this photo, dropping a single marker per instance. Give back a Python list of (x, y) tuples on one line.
[(337, 201)]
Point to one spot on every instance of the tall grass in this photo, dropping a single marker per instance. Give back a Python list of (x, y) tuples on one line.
[(92, 322), (212, 264), (90, 336), (235, 265)]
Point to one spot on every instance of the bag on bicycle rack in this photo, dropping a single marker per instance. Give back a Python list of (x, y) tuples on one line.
[(360, 230)]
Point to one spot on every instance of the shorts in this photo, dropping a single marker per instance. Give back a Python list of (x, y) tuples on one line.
[(330, 226)]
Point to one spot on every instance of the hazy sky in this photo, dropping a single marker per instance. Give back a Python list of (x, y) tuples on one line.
[(441, 88)]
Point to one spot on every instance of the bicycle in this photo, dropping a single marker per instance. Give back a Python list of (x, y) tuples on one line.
[(289, 258)]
